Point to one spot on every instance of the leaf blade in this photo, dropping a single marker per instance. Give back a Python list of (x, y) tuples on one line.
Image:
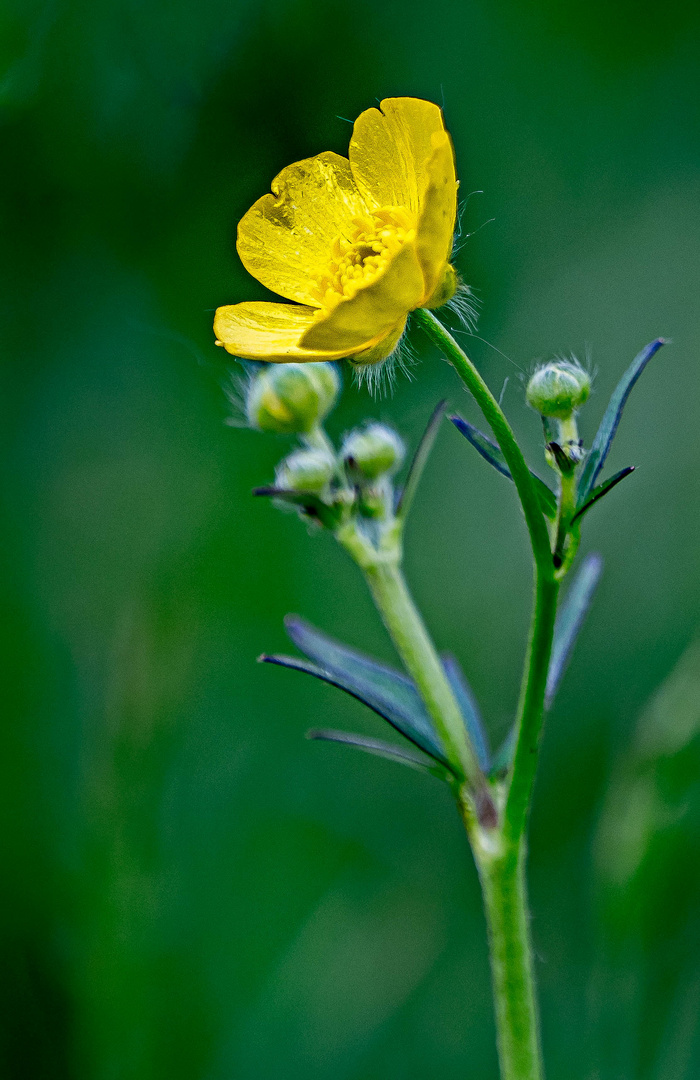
[(420, 459), (611, 419), (469, 709), (570, 620), (382, 749), (384, 689), (603, 489), (492, 453)]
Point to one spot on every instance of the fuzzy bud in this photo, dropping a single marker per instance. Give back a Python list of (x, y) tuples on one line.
[(291, 398), (371, 452), (305, 471), (558, 388)]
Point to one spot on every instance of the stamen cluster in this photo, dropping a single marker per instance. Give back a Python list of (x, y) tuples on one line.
[(358, 260)]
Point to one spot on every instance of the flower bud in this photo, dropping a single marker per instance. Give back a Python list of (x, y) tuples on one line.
[(291, 398), (558, 388), (305, 471), (371, 452)]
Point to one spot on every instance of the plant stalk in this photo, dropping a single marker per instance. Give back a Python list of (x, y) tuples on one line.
[(414, 645), (502, 876)]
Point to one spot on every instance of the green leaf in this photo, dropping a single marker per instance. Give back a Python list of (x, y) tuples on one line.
[(388, 692), (420, 458), (608, 425), (469, 710), (492, 453), (383, 750), (602, 490), (570, 620)]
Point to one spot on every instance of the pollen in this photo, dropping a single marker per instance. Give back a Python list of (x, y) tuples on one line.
[(358, 259)]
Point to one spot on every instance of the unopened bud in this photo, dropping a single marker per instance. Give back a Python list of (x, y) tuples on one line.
[(371, 452), (558, 388), (291, 398), (305, 471)]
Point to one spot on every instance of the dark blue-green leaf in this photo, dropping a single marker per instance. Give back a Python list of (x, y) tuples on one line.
[(388, 692), (492, 453), (503, 758), (608, 425), (601, 490), (569, 621), (384, 750), (469, 710)]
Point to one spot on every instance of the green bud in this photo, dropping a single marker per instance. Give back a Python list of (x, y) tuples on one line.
[(306, 471), (371, 452), (291, 398), (558, 388)]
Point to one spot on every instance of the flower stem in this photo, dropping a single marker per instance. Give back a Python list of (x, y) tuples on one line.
[(402, 619), (502, 876), (498, 423), (501, 861)]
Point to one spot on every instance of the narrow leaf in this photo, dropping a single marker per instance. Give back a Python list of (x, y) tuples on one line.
[(602, 490), (304, 500), (503, 758), (382, 749), (469, 710), (492, 453), (608, 425), (569, 621), (420, 458), (388, 692)]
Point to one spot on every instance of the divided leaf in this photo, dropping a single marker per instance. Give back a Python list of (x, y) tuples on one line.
[(382, 749), (570, 620), (608, 425), (388, 692), (492, 453)]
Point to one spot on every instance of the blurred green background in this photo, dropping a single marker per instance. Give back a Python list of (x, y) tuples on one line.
[(189, 889)]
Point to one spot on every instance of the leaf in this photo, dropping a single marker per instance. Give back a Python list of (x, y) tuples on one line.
[(602, 490), (492, 453), (305, 500), (469, 710), (570, 620), (382, 749), (388, 692), (420, 458), (503, 758), (608, 425)]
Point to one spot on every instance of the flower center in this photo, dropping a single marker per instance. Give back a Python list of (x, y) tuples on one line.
[(356, 261)]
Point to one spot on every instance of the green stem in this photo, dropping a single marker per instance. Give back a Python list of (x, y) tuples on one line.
[(502, 864), (530, 714), (502, 876), (498, 423), (402, 619)]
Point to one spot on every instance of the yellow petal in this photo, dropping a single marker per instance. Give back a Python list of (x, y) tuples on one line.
[(390, 151), (436, 224), (374, 311), (285, 239), (272, 332)]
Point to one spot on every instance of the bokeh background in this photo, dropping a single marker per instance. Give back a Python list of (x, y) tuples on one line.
[(189, 889)]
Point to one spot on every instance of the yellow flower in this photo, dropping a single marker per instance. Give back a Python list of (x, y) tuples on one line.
[(356, 242)]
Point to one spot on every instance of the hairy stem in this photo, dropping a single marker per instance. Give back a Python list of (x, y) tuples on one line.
[(413, 643), (502, 876), (495, 417)]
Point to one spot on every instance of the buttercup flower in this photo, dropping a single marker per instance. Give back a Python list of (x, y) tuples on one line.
[(357, 243)]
